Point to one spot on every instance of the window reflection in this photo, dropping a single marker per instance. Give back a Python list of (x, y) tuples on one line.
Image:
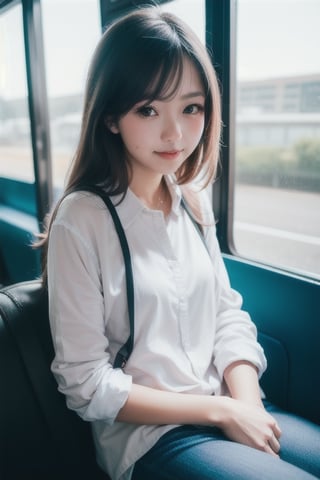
[(277, 195), (15, 133), (69, 39)]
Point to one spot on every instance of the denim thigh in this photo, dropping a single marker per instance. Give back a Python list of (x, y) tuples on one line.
[(200, 453)]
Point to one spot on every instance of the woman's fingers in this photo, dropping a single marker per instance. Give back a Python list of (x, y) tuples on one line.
[(254, 427), (277, 430), (273, 442)]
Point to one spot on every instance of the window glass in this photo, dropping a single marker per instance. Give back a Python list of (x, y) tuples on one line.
[(277, 191), (191, 11), (71, 31), (15, 133)]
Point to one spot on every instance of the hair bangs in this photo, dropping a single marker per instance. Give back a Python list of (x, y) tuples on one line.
[(159, 78), (166, 82)]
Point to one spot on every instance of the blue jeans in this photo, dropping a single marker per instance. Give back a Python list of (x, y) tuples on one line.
[(202, 453)]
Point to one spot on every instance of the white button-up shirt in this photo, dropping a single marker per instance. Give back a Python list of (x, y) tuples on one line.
[(189, 325)]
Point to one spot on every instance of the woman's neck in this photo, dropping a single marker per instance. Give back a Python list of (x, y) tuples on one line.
[(153, 193)]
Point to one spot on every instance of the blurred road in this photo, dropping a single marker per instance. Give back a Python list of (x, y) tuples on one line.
[(281, 227)]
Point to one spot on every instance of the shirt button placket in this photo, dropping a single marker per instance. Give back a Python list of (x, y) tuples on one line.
[(182, 308)]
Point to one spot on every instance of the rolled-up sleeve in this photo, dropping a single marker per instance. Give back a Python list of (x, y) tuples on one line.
[(236, 334), (82, 367)]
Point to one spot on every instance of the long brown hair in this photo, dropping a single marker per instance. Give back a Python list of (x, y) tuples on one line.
[(139, 57)]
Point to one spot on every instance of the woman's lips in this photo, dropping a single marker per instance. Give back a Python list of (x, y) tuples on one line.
[(169, 155)]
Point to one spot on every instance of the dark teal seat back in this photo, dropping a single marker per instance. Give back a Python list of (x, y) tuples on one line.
[(286, 310), (40, 438), (18, 227)]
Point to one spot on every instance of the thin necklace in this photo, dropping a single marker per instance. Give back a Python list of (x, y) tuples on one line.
[(163, 198)]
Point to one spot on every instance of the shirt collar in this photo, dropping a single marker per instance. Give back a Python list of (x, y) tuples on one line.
[(130, 207), (176, 194)]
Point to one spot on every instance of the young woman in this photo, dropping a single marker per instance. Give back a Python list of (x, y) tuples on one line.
[(187, 405)]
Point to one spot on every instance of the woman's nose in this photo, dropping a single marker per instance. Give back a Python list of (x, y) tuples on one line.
[(171, 130)]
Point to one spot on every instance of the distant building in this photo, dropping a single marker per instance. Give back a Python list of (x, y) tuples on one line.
[(276, 129), (278, 111), (298, 94)]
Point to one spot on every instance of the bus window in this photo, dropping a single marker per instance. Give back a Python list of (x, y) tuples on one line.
[(277, 154), (191, 11), (15, 133), (71, 30)]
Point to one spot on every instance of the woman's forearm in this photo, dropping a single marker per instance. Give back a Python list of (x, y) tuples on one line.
[(241, 421), (242, 380), (149, 406)]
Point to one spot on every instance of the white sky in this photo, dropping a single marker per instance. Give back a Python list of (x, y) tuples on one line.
[(275, 38), (278, 38)]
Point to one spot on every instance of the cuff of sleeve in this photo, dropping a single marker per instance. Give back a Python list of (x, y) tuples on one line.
[(256, 357), (109, 398)]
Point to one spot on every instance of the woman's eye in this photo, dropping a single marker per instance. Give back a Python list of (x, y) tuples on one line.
[(194, 108), (146, 111)]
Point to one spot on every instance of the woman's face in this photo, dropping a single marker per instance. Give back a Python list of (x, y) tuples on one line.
[(159, 136)]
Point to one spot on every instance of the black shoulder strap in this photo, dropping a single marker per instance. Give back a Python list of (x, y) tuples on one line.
[(125, 351)]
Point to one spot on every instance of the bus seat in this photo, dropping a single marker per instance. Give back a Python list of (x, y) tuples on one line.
[(19, 262), (40, 438), (18, 227), (286, 310)]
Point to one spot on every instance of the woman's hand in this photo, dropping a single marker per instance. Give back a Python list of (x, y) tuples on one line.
[(240, 421), (250, 425), (245, 419)]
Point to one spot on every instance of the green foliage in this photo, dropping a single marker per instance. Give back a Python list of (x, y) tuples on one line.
[(297, 166), (265, 159), (307, 152)]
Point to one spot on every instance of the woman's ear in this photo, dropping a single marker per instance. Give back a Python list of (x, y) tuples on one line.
[(111, 125)]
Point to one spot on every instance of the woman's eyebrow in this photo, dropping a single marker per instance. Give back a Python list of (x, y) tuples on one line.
[(192, 95)]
